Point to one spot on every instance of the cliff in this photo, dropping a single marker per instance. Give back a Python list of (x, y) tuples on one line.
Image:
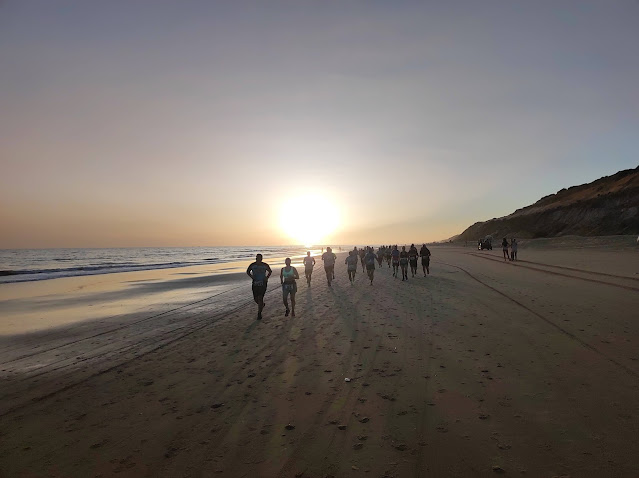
[(607, 206)]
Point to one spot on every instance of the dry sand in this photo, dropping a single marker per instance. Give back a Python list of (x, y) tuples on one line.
[(484, 367)]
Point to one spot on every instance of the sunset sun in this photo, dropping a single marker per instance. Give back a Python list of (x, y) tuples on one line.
[(309, 219)]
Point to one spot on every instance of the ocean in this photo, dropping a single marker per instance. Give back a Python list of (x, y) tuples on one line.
[(19, 265)]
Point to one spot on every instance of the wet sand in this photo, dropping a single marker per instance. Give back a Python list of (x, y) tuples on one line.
[(484, 367)]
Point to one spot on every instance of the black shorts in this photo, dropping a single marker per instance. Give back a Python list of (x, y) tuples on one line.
[(370, 267), (425, 261), (395, 262), (403, 262), (413, 262), (259, 290), (329, 269)]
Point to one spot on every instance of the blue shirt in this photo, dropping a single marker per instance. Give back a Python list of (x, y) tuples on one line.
[(259, 270)]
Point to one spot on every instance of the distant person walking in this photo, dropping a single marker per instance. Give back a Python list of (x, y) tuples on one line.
[(259, 272), (403, 263), (351, 265), (504, 248), (424, 252), (513, 249), (362, 253), (288, 275), (329, 265), (309, 263)]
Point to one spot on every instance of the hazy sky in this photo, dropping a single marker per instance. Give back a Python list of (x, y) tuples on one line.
[(150, 122)]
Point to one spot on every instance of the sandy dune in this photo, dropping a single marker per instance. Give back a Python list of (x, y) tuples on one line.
[(482, 368)]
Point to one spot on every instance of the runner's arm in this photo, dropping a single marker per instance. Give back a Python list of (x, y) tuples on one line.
[(297, 275), (282, 275), (269, 271), (248, 271)]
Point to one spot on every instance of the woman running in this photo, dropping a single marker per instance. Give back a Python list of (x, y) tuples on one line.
[(288, 275)]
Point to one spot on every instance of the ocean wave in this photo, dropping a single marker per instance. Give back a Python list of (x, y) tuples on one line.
[(35, 265)]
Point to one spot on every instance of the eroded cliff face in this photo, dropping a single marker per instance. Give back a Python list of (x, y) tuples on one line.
[(607, 206)]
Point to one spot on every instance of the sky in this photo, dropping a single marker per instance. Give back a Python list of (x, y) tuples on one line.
[(204, 123)]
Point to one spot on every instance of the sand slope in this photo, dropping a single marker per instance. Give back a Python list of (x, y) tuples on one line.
[(480, 368)]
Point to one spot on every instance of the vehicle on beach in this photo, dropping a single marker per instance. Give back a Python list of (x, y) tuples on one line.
[(485, 243)]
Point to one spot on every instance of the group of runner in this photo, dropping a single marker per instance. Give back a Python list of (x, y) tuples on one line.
[(259, 271)]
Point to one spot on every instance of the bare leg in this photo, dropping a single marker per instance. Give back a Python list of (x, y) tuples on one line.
[(293, 305), (260, 306)]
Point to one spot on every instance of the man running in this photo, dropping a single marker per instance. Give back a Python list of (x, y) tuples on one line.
[(288, 275), (369, 258), (403, 263), (412, 259), (351, 265), (309, 263), (362, 253), (388, 255), (380, 256), (329, 264), (424, 252), (395, 256), (260, 272)]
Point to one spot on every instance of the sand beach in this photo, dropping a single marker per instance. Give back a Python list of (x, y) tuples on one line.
[(482, 368)]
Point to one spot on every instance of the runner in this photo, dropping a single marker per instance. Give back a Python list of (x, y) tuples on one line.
[(504, 248), (260, 272), (513, 249), (403, 263), (309, 263), (369, 258), (380, 255), (329, 264), (412, 259), (351, 262), (387, 255), (362, 253), (425, 253), (395, 255), (288, 274)]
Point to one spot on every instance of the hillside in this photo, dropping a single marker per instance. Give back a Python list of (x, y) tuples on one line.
[(607, 206)]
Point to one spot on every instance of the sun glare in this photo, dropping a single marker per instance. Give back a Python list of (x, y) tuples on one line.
[(309, 219)]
